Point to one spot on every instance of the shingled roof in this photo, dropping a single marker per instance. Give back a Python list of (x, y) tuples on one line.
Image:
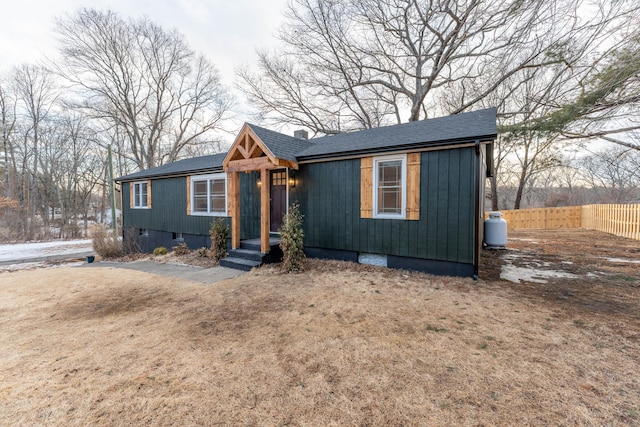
[(448, 130), (282, 146), (461, 128), (211, 163)]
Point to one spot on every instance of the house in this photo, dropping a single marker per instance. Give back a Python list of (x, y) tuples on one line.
[(405, 196)]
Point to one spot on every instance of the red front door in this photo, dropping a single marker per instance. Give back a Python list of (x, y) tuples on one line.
[(278, 198)]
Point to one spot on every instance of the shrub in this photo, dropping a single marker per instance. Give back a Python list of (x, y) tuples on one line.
[(219, 233), (105, 242), (181, 249), (160, 250), (291, 240), (203, 252)]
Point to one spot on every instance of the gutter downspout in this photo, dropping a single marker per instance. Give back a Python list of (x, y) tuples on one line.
[(476, 233)]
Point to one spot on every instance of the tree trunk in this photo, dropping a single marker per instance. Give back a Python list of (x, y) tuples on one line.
[(494, 193)]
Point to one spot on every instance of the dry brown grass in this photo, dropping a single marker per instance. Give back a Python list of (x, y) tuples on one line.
[(336, 345)]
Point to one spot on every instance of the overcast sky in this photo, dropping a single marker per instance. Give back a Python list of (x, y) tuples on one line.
[(226, 31)]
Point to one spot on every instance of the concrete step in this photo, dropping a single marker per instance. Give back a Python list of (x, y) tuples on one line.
[(249, 254), (250, 246), (239, 263)]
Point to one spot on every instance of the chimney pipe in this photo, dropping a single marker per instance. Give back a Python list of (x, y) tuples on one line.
[(301, 134)]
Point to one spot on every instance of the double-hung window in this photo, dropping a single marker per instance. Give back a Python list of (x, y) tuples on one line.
[(140, 195), (209, 194), (390, 187)]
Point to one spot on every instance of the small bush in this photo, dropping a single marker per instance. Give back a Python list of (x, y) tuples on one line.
[(181, 249), (106, 243), (203, 252), (160, 250), (219, 233), (291, 240)]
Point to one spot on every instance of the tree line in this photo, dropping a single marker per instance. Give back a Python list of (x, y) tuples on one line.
[(121, 82), (563, 74)]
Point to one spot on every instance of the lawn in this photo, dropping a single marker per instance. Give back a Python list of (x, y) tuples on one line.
[(339, 344)]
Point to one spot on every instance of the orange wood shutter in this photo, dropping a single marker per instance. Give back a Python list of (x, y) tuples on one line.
[(188, 195), (413, 186), (366, 187), (131, 195), (148, 194)]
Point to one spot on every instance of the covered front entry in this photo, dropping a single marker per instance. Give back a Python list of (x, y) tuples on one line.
[(250, 153)]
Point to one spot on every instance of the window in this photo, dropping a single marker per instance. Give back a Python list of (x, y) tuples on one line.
[(209, 195), (279, 178), (390, 185), (140, 195)]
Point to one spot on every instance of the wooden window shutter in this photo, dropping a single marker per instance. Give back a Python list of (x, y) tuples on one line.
[(148, 194), (188, 195), (131, 195), (366, 187), (413, 186)]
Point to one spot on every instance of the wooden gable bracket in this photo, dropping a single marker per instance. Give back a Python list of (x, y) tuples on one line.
[(249, 153)]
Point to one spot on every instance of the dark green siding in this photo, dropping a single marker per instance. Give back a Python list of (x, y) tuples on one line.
[(249, 205), (168, 209), (329, 195)]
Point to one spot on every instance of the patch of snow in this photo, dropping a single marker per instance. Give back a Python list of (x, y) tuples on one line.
[(523, 240), (516, 274), (34, 265), (27, 251), (534, 271), (623, 260)]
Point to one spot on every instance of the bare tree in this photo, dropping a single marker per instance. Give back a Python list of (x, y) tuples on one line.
[(605, 99), (144, 80), (361, 63), (7, 126), (614, 170), (36, 93)]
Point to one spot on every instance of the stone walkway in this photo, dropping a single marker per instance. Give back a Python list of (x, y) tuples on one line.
[(181, 271)]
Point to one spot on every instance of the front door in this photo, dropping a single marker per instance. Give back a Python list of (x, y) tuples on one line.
[(278, 198)]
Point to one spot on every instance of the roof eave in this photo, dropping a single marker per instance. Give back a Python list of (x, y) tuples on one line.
[(169, 175), (395, 148)]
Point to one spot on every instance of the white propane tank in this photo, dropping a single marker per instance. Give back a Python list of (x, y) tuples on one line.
[(495, 230)]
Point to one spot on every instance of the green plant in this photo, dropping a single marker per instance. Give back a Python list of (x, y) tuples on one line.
[(291, 239), (106, 243), (219, 233), (160, 250), (181, 249)]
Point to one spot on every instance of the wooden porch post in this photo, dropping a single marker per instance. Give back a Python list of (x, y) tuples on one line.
[(235, 209), (265, 203)]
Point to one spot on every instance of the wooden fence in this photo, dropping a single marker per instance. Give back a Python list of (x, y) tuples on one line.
[(621, 220)]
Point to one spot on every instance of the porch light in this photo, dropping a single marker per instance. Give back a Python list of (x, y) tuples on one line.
[(258, 180), (292, 179)]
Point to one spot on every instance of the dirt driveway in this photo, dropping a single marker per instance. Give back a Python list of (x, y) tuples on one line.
[(584, 271)]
